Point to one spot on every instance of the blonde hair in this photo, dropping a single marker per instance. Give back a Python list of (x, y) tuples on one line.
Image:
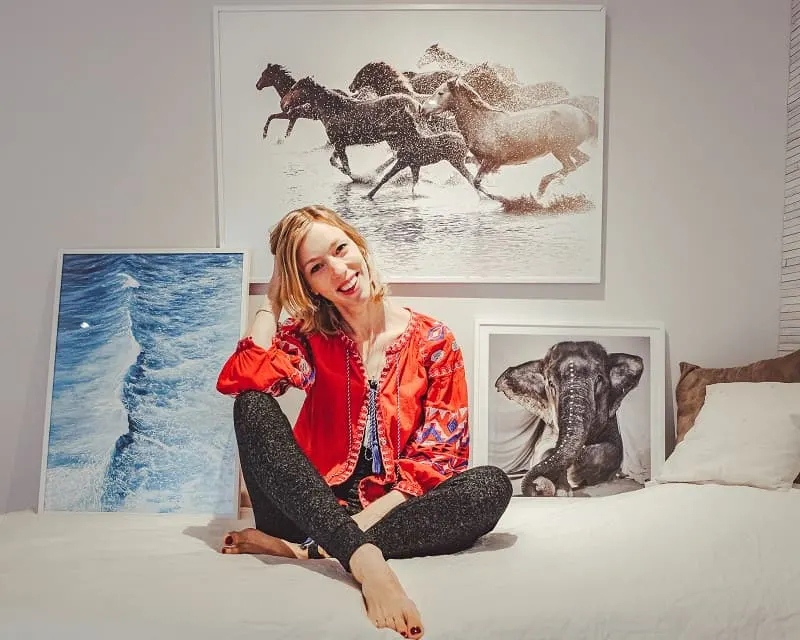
[(313, 313)]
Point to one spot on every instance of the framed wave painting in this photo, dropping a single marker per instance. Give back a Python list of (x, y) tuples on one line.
[(472, 133), (134, 421), (570, 409)]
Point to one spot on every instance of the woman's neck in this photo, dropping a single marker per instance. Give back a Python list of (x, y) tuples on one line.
[(367, 321)]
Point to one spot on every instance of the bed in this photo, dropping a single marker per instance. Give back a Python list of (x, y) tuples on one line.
[(672, 561), (706, 550)]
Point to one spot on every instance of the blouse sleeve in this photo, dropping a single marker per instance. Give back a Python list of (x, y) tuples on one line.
[(440, 447), (287, 362)]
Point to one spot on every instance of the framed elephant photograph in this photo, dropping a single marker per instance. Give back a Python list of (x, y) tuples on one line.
[(570, 409), (474, 132)]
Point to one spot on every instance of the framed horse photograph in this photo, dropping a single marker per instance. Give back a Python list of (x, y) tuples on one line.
[(464, 141), (134, 422), (570, 409)]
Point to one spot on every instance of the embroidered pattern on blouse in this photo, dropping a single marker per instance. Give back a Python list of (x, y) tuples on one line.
[(304, 377)]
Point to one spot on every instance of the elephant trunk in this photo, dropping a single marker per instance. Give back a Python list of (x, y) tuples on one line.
[(574, 416)]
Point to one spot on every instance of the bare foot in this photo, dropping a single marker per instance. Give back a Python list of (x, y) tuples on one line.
[(386, 600), (257, 542)]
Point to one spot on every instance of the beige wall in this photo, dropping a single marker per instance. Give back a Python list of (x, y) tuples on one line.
[(107, 140)]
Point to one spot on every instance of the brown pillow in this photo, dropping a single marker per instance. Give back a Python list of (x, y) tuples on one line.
[(690, 392)]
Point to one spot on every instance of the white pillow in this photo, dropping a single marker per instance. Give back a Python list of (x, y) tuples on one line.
[(746, 433)]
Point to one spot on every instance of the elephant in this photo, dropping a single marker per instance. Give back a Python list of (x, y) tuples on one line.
[(574, 393)]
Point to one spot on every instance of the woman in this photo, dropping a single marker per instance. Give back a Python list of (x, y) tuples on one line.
[(376, 465)]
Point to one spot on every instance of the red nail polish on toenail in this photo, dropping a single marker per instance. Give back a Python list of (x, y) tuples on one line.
[(229, 540), (415, 630)]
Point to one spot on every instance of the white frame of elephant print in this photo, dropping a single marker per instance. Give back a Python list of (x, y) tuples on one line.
[(504, 430), (538, 221)]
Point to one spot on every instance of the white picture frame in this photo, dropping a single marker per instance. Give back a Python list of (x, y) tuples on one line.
[(498, 433), (133, 420), (546, 54)]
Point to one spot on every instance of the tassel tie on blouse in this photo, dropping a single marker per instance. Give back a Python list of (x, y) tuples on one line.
[(372, 445), (372, 428)]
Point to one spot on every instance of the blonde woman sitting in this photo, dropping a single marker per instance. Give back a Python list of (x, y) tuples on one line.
[(376, 466)]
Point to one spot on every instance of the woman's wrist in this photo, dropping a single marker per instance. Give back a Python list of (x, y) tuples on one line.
[(268, 315), (270, 306)]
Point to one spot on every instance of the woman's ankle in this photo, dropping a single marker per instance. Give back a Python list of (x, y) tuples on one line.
[(366, 557)]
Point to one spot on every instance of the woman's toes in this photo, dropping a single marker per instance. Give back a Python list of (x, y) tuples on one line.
[(413, 626), (400, 626), (232, 538)]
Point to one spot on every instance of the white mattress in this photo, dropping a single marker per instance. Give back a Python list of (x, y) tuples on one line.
[(669, 562)]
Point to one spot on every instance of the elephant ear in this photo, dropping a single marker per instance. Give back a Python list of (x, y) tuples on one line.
[(624, 372), (535, 370), (527, 386)]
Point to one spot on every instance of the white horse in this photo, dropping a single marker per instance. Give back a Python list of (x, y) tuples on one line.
[(497, 137), (447, 61)]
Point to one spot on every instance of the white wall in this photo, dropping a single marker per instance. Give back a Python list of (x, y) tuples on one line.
[(789, 334), (107, 140)]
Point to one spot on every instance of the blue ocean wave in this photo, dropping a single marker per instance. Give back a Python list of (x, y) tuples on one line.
[(136, 421)]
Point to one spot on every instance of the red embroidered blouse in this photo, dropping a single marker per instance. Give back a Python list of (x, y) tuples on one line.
[(422, 414)]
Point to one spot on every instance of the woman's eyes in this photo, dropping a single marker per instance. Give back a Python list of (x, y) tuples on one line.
[(339, 248)]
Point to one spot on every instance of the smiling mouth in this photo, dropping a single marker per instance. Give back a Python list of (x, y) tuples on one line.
[(350, 285)]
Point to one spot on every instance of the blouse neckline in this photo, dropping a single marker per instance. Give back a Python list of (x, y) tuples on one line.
[(398, 343)]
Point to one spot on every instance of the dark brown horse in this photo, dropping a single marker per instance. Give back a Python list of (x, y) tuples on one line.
[(414, 150), (349, 121), (277, 76), (384, 79)]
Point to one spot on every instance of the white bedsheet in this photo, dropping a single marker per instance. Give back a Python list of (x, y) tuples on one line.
[(669, 562)]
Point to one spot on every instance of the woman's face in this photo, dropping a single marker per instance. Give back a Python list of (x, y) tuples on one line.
[(333, 266)]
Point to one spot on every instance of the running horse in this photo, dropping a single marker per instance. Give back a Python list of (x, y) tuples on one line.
[(415, 149), (384, 79), (497, 137), (277, 76), (349, 121)]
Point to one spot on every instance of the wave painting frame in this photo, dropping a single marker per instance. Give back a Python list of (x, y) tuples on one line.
[(227, 287)]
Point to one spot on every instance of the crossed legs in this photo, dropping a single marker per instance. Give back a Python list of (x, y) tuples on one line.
[(291, 502)]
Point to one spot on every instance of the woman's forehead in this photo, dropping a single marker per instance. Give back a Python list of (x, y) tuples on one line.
[(318, 239)]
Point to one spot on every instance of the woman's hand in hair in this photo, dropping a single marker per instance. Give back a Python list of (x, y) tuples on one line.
[(272, 301)]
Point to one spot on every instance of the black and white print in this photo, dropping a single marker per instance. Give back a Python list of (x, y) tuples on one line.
[(571, 411), (466, 144)]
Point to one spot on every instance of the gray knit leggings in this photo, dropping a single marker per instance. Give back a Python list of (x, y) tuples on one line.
[(292, 501)]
